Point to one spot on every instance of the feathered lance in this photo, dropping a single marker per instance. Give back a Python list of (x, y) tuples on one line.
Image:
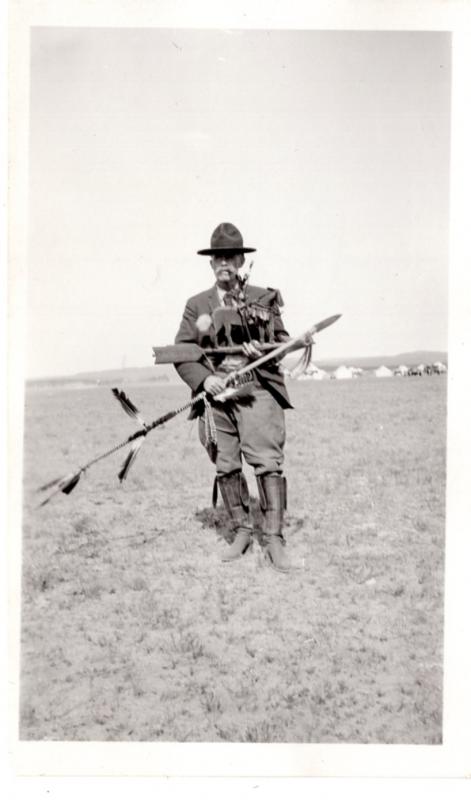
[(67, 483)]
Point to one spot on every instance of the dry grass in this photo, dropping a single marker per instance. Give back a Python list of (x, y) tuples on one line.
[(132, 628)]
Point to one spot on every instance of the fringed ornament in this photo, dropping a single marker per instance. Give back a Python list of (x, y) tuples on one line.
[(210, 433), (301, 366)]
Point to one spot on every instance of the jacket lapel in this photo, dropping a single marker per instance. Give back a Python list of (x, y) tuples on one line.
[(213, 299)]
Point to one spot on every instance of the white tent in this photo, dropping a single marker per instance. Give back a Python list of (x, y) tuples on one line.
[(383, 372), (320, 375), (312, 375), (342, 373)]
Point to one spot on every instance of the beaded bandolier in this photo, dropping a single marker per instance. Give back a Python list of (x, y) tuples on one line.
[(240, 320), (262, 313)]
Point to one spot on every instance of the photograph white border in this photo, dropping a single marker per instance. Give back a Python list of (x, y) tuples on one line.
[(452, 758)]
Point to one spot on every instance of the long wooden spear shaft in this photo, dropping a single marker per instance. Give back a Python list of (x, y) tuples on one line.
[(67, 483), (305, 340), (189, 351)]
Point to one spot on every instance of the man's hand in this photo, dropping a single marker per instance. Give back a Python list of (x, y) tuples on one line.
[(214, 384), (251, 349)]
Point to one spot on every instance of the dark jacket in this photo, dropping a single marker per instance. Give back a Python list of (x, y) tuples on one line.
[(195, 373)]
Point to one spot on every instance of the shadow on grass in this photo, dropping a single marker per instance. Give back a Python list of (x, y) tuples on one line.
[(217, 519)]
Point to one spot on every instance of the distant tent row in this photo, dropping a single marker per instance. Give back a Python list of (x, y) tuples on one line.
[(314, 375), (428, 369), (347, 373)]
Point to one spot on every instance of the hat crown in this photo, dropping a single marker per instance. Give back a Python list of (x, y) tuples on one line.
[(227, 237)]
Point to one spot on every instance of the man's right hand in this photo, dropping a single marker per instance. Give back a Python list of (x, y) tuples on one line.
[(214, 384)]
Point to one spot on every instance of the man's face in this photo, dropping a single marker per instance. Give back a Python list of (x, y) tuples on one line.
[(226, 266)]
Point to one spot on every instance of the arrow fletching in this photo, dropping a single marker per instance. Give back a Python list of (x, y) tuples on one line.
[(129, 460), (128, 406)]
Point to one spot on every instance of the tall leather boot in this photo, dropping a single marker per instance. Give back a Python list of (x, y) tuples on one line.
[(273, 497), (235, 494)]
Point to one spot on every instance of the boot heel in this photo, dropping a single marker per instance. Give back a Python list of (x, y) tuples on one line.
[(240, 546), (275, 556)]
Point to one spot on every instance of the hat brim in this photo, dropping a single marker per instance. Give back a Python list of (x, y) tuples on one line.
[(214, 251)]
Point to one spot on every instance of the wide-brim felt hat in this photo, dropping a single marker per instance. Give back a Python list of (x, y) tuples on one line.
[(226, 238)]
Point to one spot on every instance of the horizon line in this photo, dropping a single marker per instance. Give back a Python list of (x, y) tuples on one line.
[(59, 376)]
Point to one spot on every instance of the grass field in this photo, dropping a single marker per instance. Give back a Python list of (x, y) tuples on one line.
[(133, 629)]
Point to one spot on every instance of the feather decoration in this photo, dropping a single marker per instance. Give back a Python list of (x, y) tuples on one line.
[(65, 485), (211, 441), (215, 493), (69, 485), (212, 449), (128, 406), (129, 460)]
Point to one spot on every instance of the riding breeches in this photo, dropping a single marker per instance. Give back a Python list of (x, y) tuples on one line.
[(254, 430)]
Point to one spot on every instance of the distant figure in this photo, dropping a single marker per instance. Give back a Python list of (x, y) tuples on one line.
[(357, 372), (252, 426), (401, 371)]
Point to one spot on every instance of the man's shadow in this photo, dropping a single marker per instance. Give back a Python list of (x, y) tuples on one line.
[(218, 520)]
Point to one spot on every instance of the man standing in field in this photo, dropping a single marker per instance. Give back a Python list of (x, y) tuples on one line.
[(250, 424)]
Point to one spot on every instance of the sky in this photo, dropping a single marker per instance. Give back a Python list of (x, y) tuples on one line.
[(329, 150)]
